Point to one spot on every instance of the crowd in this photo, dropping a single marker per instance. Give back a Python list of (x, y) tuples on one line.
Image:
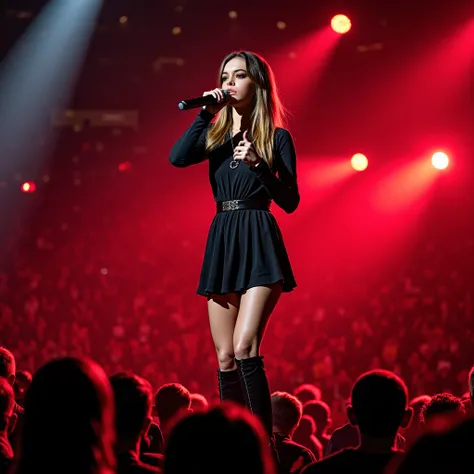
[(71, 417), (99, 293), (87, 283)]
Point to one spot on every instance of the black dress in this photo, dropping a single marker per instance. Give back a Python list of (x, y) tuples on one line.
[(244, 247)]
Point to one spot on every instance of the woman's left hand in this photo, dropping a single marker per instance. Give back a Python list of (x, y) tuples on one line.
[(246, 152)]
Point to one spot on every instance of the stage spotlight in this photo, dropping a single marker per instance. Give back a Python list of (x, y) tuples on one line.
[(440, 160), (125, 166), (341, 24), (359, 162), (28, 187)]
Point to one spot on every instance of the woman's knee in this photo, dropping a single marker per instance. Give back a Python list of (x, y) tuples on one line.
[(225, 359), (244, 349)]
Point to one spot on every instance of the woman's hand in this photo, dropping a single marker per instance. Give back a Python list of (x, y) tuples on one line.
[(219, 95), (246, 152)]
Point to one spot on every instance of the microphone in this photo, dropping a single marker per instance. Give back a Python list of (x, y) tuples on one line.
[(202, 101)]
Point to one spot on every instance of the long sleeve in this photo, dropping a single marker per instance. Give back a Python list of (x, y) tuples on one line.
[(283, 189), (190, 148)]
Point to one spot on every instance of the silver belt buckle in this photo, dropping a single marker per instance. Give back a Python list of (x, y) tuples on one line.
[(230, 205)]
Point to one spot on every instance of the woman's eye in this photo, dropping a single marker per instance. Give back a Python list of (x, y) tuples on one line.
[(224, 79), (241, 76)]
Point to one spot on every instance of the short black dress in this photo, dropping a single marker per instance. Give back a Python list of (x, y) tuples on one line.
[(244, 247)]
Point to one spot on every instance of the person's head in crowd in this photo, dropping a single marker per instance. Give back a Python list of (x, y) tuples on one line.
[(8, 420), (287, 411), (226, 439), (320, 413), (23, 380), (7, 365), (133, 409), (305, 435), (69, 420), (471, 386), (172, 400), (7, 402), (466, 402), (307, 392), (446, 452), (199, 403), (379, 406), (305, 430), (416, 404), (442, 412)]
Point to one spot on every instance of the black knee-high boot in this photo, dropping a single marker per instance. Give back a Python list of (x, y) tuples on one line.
[(257, 395), (256, 390), (230, 387)]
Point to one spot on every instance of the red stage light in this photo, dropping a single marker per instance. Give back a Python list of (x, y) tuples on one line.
[(359, 162), (440, 160), (341, 24), (125, 166), (28, 187)]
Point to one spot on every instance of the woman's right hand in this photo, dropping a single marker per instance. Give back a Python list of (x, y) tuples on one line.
[(218, 94)]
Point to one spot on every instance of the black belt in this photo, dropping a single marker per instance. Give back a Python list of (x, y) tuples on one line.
[(242, 204)]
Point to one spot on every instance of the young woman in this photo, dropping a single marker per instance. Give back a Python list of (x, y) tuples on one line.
[(252, 161)]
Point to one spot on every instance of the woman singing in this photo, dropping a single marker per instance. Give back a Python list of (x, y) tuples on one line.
[(252, 161)]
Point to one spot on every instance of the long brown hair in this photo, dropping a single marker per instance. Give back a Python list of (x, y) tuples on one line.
[(268, 112)]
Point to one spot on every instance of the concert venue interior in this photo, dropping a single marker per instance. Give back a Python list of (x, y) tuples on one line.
[(102, 240)]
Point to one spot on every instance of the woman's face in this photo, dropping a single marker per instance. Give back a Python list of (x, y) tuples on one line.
[(236, 80)]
